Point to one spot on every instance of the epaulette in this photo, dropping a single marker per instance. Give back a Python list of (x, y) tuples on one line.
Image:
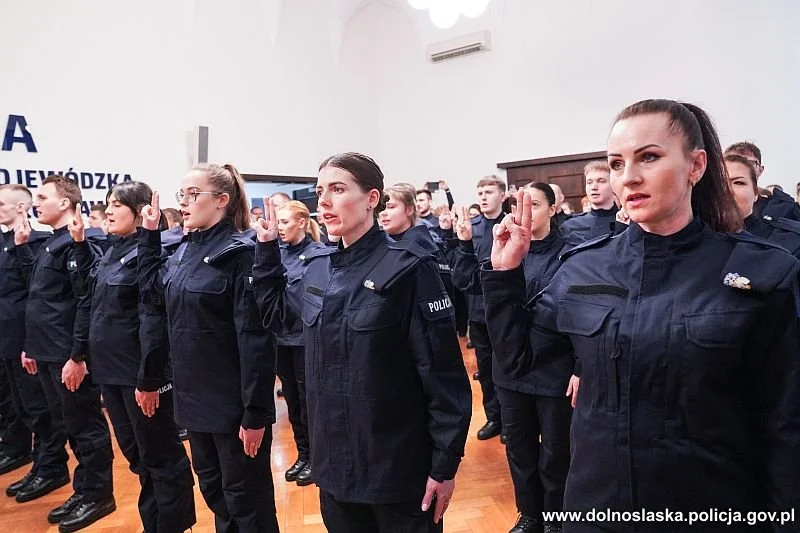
[(94, 235), (782, 223), (36, 236), (58, 243), (758, 265), (591, 243), (321, 251), (239, 242), (401, 258), (421, 237)]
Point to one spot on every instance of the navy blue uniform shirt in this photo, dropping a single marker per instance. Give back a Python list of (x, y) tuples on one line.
[(782, 231), (294, 259), (223, 361), (587, 226), (14, 293), (389, 401), (690, 369)]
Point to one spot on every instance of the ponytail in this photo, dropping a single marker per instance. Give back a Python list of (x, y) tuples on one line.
[(226, 178), (300, 210), (712, 199)]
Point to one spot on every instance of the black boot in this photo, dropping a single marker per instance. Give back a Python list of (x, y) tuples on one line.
[(295, 469), (552, 528), (60, 513), (86, 514), (489, 430), (526, 524), (304, 477), (8, 464), (18, 485), (39, 486)]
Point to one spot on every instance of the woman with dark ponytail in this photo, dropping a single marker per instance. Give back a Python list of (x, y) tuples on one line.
[(685, 335), (223, 360), (130, 362), (388, 396)]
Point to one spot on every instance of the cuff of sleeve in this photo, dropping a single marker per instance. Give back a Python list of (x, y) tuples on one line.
[(150, 384), (577, 368), (150, 238), (80, 355), (444, 465), (467, 246), (255, 418), (268, 253), (502, 281)]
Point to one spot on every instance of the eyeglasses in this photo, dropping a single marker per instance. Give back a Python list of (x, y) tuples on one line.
[(191, 195)]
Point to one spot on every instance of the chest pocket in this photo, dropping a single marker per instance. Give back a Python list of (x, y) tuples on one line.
[(376, 350), (717, 330), (210, 285), (122, 274), (592, 328)]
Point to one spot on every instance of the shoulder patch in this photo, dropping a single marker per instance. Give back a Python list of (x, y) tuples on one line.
[(436, 308), (592, 243)]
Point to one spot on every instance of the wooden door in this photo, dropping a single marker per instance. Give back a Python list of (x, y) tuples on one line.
[(565, 171)]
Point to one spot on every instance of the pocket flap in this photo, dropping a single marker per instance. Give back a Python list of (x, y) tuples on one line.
[(581, 318), (373, 316), (213, 285), (716, 329), (311, 312)]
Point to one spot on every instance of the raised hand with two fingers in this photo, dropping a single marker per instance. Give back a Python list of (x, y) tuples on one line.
[(151, 213), (267, 228), (512, 236)]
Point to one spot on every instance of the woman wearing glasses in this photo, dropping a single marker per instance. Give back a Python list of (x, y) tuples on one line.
[(223, 360)]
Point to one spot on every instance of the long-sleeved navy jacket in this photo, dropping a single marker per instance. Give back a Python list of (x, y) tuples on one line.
[(223, 361), (690, 370), (389, 402)]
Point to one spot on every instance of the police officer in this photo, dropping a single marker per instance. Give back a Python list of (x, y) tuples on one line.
[(130, 362), (388, 397), (223, 360), (399, 220), (299, 236), (24, 409), (686, 335), (775, 204), (474, 246), (600, 219), (533, 403), (57, 327), (742, 178)]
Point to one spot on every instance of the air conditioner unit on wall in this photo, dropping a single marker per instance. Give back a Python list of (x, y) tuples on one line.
[(460, 46)]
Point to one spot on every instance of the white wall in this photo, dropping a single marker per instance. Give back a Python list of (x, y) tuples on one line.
[(115, 86)]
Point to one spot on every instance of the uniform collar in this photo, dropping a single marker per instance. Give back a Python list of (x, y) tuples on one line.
[(223, 227), (604, 212), (58, 232), (542, 246), (685, 239), (296, 248), (360, 249)]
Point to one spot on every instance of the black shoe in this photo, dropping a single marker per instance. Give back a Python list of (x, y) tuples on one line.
[(489, 430), (469, 345), (462, 333), (183, 434), (86, 514), (7, 464), (295, 469), (17, 486), (304, 477), (503, 438), (39, 486), (526, 524), (476, 376), (552, 528), (60, 513), (279, 393)]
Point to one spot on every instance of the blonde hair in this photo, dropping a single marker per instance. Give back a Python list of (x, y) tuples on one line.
[(300, 211), (492, 180), (407, 195), (226, 179), (596, 165)]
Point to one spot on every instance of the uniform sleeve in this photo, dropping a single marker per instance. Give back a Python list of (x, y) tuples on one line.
[(773, 369), (269, 284), (151, 268), (26, 256), (79, 264), (520, 331), (437, 357), (466, 270), (154, 344), (257, 350)]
